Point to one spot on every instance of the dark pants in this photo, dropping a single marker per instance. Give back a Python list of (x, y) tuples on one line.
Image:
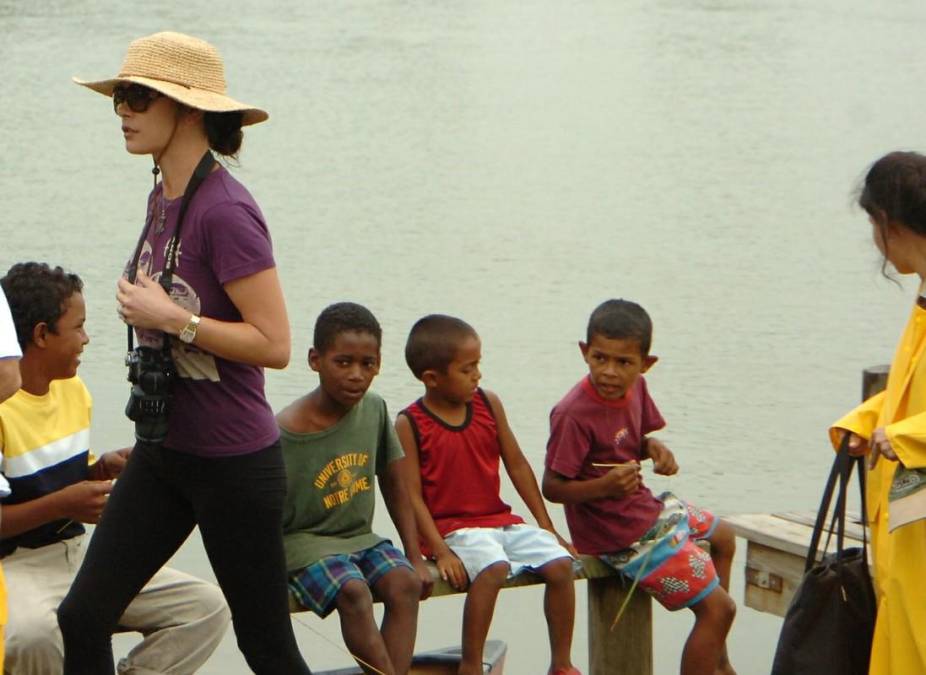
[(161, 495)]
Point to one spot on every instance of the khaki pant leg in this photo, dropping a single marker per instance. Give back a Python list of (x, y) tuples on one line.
[(37, 581), (182, 618)]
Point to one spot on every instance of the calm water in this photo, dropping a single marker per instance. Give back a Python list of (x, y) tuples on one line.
[(515, 163)]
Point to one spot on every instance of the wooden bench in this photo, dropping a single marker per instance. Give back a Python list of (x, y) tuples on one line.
[(627, 650)]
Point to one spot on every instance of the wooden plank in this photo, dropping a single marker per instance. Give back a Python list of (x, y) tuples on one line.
[(772, 576), (590, 568), (775, 532), (853, 522)]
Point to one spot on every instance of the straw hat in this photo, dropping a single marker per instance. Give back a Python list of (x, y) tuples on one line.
[(184, 68)]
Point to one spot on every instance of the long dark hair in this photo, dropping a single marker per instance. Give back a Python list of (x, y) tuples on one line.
[(894, 194)]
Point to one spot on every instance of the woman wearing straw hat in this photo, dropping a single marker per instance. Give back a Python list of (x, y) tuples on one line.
[(220, 465)]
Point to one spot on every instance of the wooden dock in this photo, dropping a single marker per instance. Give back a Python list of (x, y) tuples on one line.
[(776, 548), (777, 543)]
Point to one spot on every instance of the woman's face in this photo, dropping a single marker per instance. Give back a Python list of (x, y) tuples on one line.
[(891, 241), (148, 132)]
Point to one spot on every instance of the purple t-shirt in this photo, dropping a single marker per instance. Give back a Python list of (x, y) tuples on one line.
[(219, 407), (586, 429)]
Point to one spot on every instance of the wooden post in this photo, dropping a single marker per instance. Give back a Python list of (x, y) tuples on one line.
[(874, 379), (628, 649)]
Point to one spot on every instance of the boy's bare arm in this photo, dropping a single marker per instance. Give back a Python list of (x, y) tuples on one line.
[(619, 482), (449, 566), (663, 459), (82, 502), (403, 517), (518, 468)]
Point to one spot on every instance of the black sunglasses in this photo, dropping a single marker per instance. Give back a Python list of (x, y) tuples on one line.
[(136, 96)]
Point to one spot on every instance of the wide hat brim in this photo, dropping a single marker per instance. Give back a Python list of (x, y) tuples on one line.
[(195, 98)]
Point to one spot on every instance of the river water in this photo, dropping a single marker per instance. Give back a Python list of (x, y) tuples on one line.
[(515, 163)]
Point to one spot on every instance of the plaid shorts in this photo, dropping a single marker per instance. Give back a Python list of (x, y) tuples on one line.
[(315, 587), (666, 561)]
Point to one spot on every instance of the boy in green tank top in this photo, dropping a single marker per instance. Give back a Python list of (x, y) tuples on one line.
[(337, 440)]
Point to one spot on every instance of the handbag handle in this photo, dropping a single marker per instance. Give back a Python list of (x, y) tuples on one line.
[(841, 471)]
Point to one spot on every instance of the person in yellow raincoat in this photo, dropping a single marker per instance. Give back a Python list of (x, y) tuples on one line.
[(891, 426)]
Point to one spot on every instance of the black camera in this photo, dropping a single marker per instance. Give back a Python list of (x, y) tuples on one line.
[(152, 373)]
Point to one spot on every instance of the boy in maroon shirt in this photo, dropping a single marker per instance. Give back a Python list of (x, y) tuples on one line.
[(598, 437), (454, 437)]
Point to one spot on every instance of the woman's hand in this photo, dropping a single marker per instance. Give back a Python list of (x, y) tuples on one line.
[(881, 445), (146, 305), (858, 446)]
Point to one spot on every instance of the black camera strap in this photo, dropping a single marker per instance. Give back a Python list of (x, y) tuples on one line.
[(202, 170)]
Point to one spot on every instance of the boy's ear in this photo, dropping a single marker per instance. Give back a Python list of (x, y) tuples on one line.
[(429, 378), (40, 334), (583, 347), (314, 358), (648, 362)]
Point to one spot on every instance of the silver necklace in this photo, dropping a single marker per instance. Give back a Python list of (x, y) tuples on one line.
[(162, 214)]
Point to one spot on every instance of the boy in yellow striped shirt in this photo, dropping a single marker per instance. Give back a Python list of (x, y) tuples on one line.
[(56, 487)]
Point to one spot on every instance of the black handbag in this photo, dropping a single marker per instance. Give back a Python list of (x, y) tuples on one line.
[(829, 624)]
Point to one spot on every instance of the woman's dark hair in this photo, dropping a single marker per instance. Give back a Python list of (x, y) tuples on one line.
[(37, 293), (894, 193), (223, 129)]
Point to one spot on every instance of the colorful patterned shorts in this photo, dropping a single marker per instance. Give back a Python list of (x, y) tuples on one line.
[(316, 586), (666, 561)]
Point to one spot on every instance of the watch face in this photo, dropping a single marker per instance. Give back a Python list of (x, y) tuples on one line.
[(188, 334)]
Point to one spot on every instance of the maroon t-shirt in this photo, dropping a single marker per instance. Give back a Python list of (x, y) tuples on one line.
[(586, 429), (219, 407), (460, 481)]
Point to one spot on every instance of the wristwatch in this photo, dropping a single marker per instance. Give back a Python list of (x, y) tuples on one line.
[(188, 334)]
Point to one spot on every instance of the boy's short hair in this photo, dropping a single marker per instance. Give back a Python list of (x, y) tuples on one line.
[(344, 317), (37, 293), (433, 342), (621, 320)]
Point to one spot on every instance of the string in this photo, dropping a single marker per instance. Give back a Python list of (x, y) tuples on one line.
[(338, 646), (640, 572)]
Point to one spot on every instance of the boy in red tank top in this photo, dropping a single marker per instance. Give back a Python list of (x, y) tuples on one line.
[(598, 437), (454, 437)]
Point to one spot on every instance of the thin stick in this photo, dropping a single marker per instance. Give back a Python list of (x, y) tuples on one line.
[(633, 587), (337, 646)]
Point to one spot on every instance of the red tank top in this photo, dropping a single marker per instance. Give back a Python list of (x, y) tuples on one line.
[(460, 481)]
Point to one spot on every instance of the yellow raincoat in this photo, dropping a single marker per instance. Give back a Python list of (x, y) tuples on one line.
[(899, 646)]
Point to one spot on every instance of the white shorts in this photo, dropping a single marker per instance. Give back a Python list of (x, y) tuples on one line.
[(521, 546)]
